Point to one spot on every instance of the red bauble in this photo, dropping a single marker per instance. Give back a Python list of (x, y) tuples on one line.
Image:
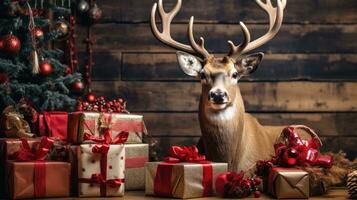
[(257, 194), (3, 78), (46, 68), (90, 98), (1, 44), (95, 13), (221, 182), (68, 70), (38, 32), (77, 85), (11, 44)]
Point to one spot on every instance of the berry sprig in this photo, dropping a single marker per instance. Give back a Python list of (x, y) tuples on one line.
[(102, 105)]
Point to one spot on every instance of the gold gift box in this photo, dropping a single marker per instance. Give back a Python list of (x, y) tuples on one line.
[(186, 179), (80, 123), (288, 183), (136, 156)]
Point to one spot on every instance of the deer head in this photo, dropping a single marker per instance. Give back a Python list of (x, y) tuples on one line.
[(219, 76)]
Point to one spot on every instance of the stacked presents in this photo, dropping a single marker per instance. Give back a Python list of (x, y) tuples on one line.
[(76, 154), (101, 154)]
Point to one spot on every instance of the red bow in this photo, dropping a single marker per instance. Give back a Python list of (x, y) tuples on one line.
[(184, 154), (121, 138), (296, 151), (98, 178), (26, 154)]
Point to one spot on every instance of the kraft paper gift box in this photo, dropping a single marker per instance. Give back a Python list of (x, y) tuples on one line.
[(100, 169), (182, 180), (8, 147), (91, 122), (288, 183), (136, 156), (53, 124), (36, 179)]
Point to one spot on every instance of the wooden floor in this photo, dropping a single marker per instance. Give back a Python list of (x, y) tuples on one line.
[(139, 195)]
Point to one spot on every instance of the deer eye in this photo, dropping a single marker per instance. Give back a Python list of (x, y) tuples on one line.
[(235, 75), (203, 75)]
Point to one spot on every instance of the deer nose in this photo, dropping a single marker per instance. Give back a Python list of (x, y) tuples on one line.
[(218, 96)]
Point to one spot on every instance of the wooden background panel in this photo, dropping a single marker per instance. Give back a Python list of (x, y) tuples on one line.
[(290, 39), (275, 67), (232, 11), (187, 124), (308, 76), (258, 96)]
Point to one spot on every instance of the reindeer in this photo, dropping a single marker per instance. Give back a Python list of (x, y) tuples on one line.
[(229, 134)]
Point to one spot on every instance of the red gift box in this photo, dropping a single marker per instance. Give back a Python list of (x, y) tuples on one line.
[(53, 124)]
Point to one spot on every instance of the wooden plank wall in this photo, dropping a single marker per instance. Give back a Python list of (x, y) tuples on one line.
[(307, 77)]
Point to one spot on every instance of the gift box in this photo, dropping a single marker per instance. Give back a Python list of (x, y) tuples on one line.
[(136, 156), (182, 180), (36, 179), (288, 183), (81, 123), (53, 124), (100, 169)]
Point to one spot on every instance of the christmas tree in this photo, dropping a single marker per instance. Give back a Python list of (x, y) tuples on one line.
[(29, 69)]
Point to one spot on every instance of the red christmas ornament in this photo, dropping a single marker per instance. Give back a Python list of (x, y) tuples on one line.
[(38, 32), (95, 13), (46, 68), (68, 70), (11, 44), (3, 78), (1, 44), (77, 85), (90, 98), (257, 194)]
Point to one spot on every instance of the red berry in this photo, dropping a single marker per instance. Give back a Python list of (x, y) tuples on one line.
[(257, 194), (257, 181)]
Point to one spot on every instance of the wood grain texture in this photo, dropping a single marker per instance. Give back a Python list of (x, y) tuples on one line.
[(290, 39), (262, 96), (275, 67), (232, 11), (187, 124)]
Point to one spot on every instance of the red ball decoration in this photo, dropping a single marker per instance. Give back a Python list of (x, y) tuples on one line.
[(221, 182), (46, 68), (1, 44), (11, 44), (90, 98), (95, 13), (38, 32), (257, 194), (3, 78), (77, 85)]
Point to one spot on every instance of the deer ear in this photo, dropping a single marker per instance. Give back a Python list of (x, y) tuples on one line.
[(190, 64), (249, 63)]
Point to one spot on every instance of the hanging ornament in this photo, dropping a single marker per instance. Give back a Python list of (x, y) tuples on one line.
[(34, 54), (46, 68), (63, 27), (11, 44), (77, 86), (1, 44), (95, 13), (90, 97), (38, 32), (71, 45), (83, 6), (4, 78)]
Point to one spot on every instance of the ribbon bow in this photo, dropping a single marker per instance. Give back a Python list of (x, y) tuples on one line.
[(26, 154), (296, 151), (184, 154), (121, 138), (98, 178)]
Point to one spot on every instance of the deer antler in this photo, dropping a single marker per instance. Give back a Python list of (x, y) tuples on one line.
[(165, 35), (275, 21)]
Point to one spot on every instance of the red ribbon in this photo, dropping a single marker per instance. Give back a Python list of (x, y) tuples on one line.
[(184, 154), (25, 153), (162, 182), (298, 152), (40, 179)]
